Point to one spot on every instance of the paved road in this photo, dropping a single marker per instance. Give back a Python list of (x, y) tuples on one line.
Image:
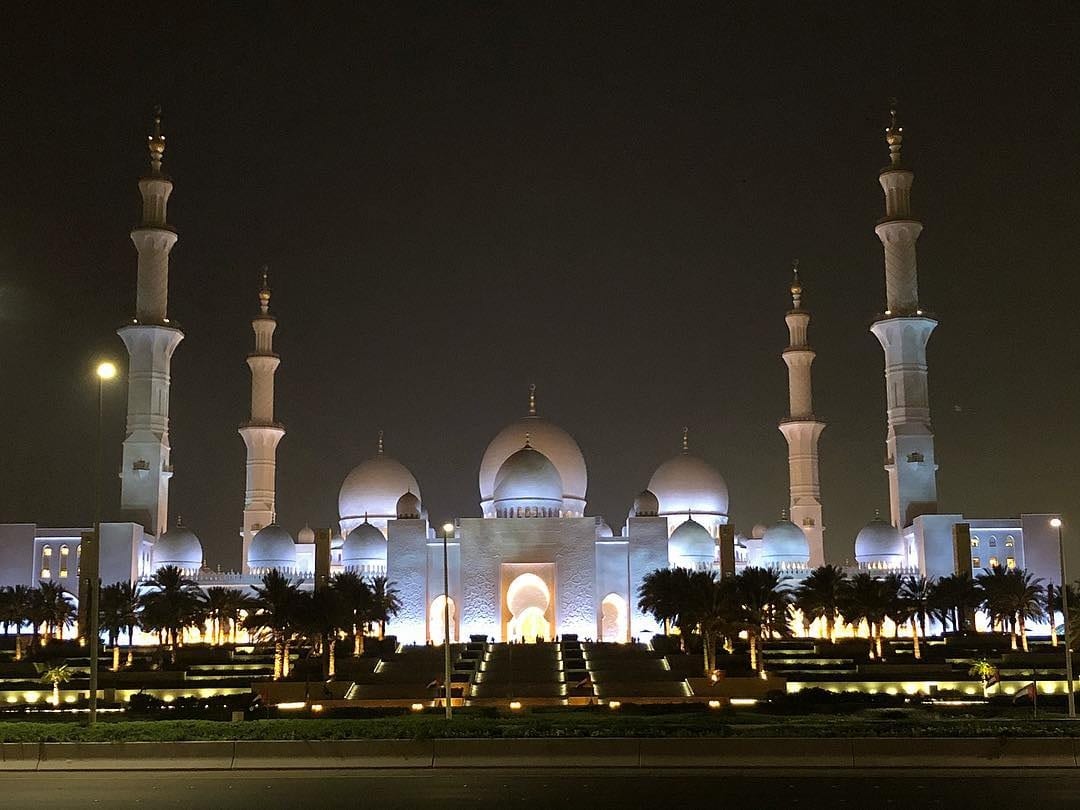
[(563, 790)]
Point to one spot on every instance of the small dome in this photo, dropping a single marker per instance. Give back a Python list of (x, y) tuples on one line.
[(365, 546), (272, 547), (784, 543), (306, 535), (878, 542), (691, 545), (408, 507), (603, 530), (178, 547), (646, 504), (758, 531), (528, 485)]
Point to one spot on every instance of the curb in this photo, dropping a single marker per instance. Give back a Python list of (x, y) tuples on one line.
[(1017, 753)]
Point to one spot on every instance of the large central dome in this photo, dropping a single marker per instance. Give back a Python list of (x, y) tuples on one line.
[(550, 440)]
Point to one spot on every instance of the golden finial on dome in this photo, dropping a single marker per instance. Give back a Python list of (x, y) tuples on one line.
[(686, 440), (380, 452), (532, 399), (264, 292), (796, 285), (894, 135), (528, 439), (156, 142), (783, 513)]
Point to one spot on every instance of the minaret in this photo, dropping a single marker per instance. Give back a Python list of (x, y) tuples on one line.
[(151, 341), (903, 332), (261, 433), (801, 429)]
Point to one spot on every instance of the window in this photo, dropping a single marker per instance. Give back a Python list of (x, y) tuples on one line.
[(974, 542), (63, 561), (993, 562), (975, 562), (1009, 542), (1010, 563), (993, 542), (46, 562)]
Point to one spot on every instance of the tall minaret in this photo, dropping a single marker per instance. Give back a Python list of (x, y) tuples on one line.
[(151, 341), (903, 332), (261, 433), (801, 429)]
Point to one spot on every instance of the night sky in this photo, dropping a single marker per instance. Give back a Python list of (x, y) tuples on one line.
[(601, 199)]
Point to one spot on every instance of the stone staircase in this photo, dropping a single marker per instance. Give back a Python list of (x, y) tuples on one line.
[(509, 671)]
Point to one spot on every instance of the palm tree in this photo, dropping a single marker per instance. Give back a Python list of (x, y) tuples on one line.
[(277, 603), (119, 609), (172, 603), (1054, 606), (956, 595), (659, 595), (1012, 597), (56, 675), (763, 598), (323, 615), (53, 608), (714, 603), (867, 598), (917, 591), (224, 607), (385, 602), (18, 601), (358, 598), (819, 596), (984, 671)]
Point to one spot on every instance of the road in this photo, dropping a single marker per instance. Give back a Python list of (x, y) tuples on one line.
[(566, 789)]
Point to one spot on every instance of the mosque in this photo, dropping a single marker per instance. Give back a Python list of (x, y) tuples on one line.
[(535, 564)]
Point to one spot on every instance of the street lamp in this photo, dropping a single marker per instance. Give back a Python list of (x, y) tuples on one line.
[(105, 371), (447, 532), (1056, 523)]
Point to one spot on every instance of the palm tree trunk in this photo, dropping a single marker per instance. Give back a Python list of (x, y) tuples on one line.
[(331, 664), (915, 639), (753, 651), (116, 656), (830, 628), (1023, 634), (18, 645), (1053, 628), (277, 660), (56, 693), (382, 629)]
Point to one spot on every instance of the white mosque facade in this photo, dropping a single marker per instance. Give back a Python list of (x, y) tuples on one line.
[(535, 563)]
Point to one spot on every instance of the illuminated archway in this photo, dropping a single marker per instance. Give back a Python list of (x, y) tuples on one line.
[(528, 599), (436, 620), (613, 614)]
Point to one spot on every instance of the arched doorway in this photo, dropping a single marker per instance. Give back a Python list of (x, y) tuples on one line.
[(436, 620), (528, 600), (613, 624)]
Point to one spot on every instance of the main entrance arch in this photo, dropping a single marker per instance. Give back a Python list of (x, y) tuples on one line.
[(528, 601), (436, 620)]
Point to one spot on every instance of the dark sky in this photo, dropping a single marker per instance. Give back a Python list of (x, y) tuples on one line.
[(603, 199)]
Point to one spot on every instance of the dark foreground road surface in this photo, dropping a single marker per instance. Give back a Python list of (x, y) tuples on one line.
[(562, 790)]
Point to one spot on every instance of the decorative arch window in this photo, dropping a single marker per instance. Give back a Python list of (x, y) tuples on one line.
[(46, 562), (993, 562), (1010, 563), (975, 562), (1010, 541), (64, 551), (974, 542), (993, 542)]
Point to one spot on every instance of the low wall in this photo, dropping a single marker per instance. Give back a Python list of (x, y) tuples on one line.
[(742, 753)]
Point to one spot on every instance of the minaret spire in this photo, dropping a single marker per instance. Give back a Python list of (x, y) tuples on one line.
[(904, 332), (686, 440), (380, 448), (261, 433), (532, 399), (150, 340), (801, 428)]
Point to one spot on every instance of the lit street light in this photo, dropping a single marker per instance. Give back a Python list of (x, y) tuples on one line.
[(1056, 523), (105, 371), (447, 532)]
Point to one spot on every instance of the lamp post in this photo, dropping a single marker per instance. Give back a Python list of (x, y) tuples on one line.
[(447, 531), (105, 371), (1056, 523)]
